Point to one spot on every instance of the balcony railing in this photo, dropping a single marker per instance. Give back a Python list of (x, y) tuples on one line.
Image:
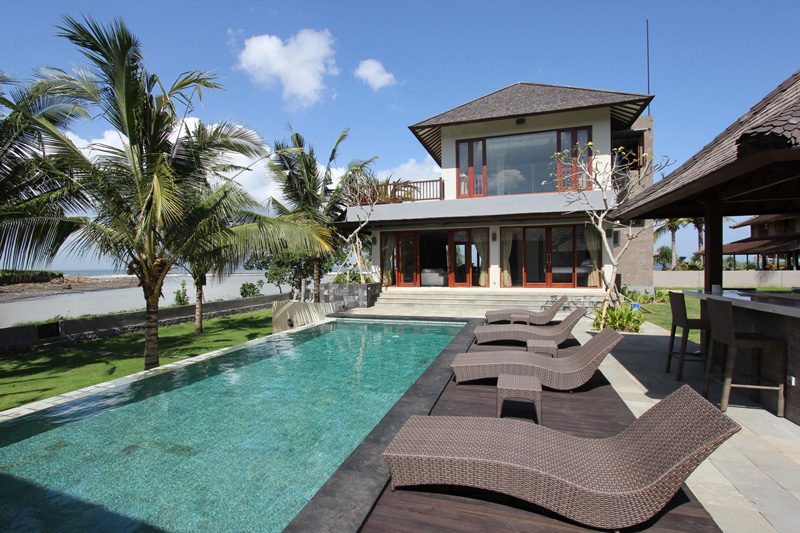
[(407, 191)]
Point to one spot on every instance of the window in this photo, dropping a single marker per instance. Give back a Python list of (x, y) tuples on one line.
[(521, 164)]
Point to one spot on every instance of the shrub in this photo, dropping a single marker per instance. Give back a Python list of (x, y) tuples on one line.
[(636, 296), (621, 319), (181, 296), (662, 296), (251, 290), (345, 277)]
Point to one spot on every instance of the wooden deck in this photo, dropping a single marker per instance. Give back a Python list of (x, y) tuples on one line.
[(592, 411)]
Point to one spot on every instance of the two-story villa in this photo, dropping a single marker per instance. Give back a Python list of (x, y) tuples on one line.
[(771, 236), (499, 217)]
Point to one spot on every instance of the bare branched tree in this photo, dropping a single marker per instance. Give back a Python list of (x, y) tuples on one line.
[(596, 185)]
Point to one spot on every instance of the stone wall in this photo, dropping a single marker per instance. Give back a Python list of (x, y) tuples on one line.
[(350, 295), (78, 329)]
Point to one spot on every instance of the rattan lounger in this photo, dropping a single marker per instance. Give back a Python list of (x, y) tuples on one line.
[(562, 373), (521, 332), (536, 318), (611, 482)]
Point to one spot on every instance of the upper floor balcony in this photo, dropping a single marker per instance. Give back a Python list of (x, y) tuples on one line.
[(392, 192)]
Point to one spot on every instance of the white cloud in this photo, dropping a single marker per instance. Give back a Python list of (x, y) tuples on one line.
[(372, 72), (300, 64), (90, 147), (413, 170)]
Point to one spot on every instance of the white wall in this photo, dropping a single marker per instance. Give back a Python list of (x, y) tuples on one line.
[(599, 120), (730, 278)]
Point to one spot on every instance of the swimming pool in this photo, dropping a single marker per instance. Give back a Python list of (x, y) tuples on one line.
[(237, 442)]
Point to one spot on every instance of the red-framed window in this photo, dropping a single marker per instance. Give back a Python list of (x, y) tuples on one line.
[(522, 163)]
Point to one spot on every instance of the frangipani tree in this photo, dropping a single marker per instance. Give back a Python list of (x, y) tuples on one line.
[(596, 184)]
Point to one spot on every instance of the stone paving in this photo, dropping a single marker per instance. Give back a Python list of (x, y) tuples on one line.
[(752, 482)]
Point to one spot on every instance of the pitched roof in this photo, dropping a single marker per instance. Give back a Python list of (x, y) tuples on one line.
[(525, 99), (774, 122)]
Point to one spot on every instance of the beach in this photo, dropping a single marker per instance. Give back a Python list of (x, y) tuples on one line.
[(106, 294)]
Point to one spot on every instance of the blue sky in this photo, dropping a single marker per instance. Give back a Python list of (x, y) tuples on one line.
[(710, 62)]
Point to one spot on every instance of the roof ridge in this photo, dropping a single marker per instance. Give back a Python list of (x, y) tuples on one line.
[(579, 88)]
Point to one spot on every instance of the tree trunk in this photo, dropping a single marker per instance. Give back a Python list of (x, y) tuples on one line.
[(674, 265), (198, 306), (151, 332), (303, 284), (317, 276), (700, 246)]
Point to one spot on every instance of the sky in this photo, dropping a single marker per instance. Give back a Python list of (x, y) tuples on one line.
[(378, 67)]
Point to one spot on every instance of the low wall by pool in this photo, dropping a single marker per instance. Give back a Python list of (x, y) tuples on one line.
[(18, 338)]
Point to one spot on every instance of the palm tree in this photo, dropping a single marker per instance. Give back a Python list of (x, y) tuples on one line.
[(663, 256), (34, 203), (671, 226), (307, 187), (139, 190)]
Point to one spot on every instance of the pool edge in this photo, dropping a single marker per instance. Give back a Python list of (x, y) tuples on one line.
[(346, 499)]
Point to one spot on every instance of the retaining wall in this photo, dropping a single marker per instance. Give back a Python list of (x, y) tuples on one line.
[(730, 278), (23, 337), (349, 295)]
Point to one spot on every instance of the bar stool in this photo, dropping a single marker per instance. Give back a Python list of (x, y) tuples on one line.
[(722, 331), (677, 302)]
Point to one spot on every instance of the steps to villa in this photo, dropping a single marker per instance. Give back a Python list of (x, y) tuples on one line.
[(474, 302)]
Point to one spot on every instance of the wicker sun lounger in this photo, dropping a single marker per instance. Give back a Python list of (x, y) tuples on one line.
[(535, 318), (521, 332), (611, 482), (562, 373)]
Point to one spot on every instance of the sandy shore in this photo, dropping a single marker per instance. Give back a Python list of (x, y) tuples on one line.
[(66, 285)]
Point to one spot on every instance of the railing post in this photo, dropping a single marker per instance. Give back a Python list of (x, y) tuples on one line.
[(441, 188)]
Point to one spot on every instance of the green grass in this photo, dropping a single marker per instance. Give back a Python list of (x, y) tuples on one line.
[(661, 315), (32, 376)]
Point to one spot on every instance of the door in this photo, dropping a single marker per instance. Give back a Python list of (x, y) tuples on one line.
[(562, 256), (407, 260), (460, 261), (536, 257)]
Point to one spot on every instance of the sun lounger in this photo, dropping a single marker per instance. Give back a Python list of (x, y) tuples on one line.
[(522, 333), (562, 373), (533, 318), (613, 482)]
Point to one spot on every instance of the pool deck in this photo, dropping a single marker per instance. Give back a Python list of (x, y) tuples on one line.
[(594, 410)]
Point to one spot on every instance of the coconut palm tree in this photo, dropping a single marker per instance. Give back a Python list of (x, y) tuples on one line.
[(33, 202), (671, 226), (307, 186), (140, 189)]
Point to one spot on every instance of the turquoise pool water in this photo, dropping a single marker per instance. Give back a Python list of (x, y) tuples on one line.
[(239, 442)]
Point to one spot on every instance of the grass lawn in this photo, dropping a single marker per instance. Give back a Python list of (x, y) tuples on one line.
[(661, 315), (31, 376)]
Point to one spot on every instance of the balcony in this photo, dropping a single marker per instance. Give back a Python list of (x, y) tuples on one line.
[(394, 192)]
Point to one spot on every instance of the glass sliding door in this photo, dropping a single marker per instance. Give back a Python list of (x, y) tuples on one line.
[(536, 256), (562, 256), (407, 274), (479, 256), (545, 256), (459, 263)]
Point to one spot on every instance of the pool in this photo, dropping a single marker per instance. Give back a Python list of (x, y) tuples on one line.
[(238, 442)]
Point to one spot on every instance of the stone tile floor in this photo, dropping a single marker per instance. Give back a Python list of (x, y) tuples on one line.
[(752, 482)]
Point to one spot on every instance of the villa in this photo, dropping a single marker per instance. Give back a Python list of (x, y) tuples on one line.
[(499, 217)]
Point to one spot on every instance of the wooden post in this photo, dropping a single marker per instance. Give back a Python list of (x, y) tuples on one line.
[(713, 244)]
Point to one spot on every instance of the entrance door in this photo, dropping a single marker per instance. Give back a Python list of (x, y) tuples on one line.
[(460, 261), (408, 252)]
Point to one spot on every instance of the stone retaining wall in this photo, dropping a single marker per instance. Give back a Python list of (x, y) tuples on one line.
[(349, 295)]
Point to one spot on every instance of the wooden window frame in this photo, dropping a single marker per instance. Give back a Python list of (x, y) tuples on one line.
[(484, 169)]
